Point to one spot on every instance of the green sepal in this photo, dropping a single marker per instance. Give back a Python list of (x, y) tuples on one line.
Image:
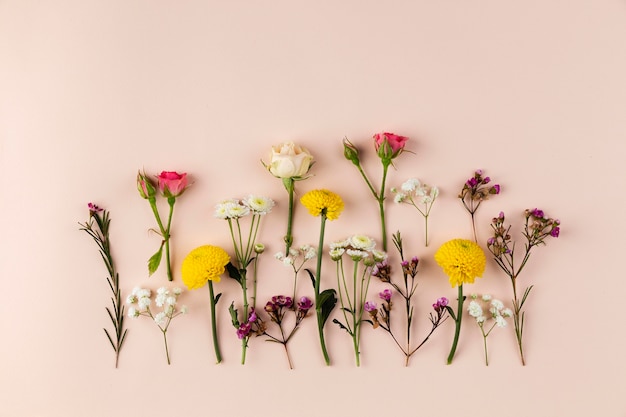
[(327, 301), (233, 315), (155, 260), (311, 275), (451, 312)]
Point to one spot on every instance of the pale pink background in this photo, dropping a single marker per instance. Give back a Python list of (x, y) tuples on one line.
[(91, 91)]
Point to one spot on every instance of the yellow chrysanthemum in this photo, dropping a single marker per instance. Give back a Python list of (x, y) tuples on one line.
[(203, 264), (462, 260), (318, 201)]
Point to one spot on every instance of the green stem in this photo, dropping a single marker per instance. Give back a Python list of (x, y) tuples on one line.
[(167, 352), (171, 201), (486, 357), (381, 206), (244, 341), (457, 330), (216, 346), (318, 275), (289, 184)]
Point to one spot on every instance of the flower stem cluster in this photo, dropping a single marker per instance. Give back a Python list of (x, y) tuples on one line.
[(326, 205), (388, 147), (165, 299), (414, 192), (246, 250), (474, 192), (98, 228), (360, 252), (462, 261), (497, 315), (537, 228), (170, 185), (382, 271)]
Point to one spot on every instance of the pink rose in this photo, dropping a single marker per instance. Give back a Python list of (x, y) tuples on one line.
[(396, 142), (172, 184)]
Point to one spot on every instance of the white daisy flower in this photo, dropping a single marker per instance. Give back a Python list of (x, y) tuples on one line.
[(337, 253), (259, 205), (362, 242)]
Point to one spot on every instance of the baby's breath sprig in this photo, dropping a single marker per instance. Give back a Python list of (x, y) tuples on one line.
[(165, 299), (98, 228), (497, 314), (413, 192)]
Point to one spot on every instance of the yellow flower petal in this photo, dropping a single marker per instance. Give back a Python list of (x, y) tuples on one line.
[(203, 264), (462, 260), (318, 201)]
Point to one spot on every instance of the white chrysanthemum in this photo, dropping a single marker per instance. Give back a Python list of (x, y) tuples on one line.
[(486, 297), (339, 244), (357, 255), (362, 242), (160, 318), (236, 211), (379, 255), (144, 303), (336, 253), (410, 185), (132, 312), (474, 309), (177, 291), (131, 299), (507, 312), (222, 209), (500, 321), (259, 205)]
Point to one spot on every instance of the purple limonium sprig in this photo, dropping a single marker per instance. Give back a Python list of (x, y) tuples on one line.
[(537, 228), (474, 192), (276, 309)]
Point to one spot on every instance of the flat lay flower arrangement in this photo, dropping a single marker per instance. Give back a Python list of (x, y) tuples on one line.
[(347, 301)]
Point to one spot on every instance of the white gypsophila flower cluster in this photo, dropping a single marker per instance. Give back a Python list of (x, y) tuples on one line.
[(234, 209), (297, 256), (165, 299), (497, 312), (412, 191), (359, 248)]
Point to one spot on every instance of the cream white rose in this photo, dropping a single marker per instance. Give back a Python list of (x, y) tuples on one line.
[(289, 160)]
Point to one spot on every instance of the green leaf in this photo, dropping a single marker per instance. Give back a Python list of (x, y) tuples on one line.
[(451, 312), (217, 298), (311, 275), (155, 261), (110, 340), (233, 272), (233, 315), (327, 301)]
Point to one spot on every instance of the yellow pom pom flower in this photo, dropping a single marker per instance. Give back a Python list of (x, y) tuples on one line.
[(323, 201), (205, 263), (462, 260)]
